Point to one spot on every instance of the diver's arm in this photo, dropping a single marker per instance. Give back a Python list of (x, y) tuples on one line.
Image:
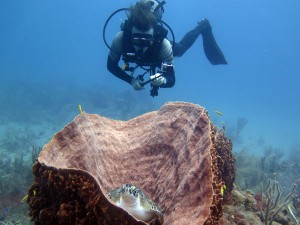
[(166, 54), (115, 69), (114, 58), (170, 77)]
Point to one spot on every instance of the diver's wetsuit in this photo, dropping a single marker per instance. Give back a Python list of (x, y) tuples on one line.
[(165, 56)]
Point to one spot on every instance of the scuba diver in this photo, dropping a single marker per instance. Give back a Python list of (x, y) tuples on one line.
[(143, 42)]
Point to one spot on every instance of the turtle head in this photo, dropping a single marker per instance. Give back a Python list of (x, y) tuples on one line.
[(134, 201), (130, 189), (130, 195)]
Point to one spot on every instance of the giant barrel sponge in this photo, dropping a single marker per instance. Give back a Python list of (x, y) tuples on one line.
[(174, 155)]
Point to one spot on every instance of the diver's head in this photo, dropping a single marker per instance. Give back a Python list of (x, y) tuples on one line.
[(142, 40), (146, 13), (157, 8), (141, 16)]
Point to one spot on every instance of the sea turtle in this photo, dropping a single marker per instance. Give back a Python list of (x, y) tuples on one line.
[(136, 202)]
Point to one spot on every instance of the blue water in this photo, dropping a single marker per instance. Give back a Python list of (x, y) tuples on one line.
[(53, 51)]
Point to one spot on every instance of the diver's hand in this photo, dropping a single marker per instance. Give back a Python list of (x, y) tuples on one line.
[(135, 82), (157, 79)]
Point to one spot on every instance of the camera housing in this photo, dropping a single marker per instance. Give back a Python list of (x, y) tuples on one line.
[(167, 68)]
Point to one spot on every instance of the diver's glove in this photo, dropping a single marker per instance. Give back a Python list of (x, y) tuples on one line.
[(136, 84), (157, 79)]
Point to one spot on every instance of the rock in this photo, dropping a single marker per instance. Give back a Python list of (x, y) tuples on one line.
[(170, 154)]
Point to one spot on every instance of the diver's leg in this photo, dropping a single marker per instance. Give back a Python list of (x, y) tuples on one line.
[(187, 41), (211, 49)]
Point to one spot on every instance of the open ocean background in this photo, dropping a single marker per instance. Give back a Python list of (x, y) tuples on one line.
[(52, 45), (52, 58)]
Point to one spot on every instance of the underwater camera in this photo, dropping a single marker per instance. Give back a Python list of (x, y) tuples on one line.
[(167, 68)]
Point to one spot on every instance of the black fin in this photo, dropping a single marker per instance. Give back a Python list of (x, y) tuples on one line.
[(212, 51)]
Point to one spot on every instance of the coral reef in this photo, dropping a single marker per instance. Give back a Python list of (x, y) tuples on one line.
[(248, 171), (251, 169), (15, 179), (243, 210), (291, 168), (15, 176), (272, 200), (172, 154)]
